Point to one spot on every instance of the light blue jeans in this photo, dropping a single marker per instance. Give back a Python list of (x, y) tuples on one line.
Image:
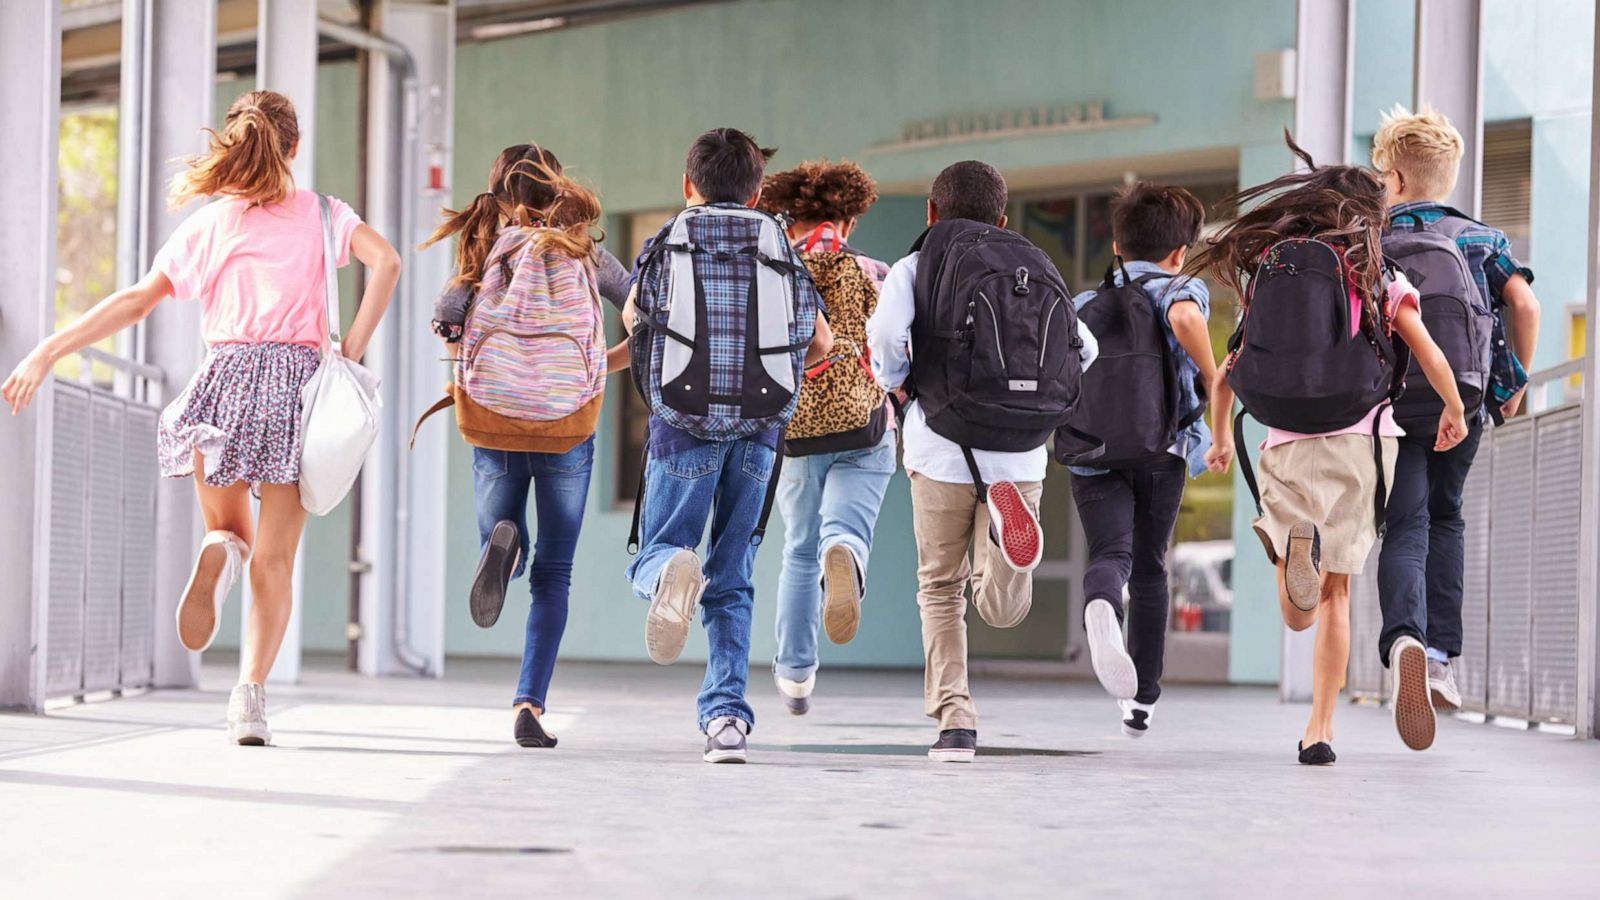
[(826, 499)]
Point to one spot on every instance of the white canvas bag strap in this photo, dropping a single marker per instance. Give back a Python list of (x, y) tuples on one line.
[(330, 270)]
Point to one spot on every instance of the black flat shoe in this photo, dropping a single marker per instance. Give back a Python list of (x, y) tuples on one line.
[(1318, 754), (500, 557), (529, 733)]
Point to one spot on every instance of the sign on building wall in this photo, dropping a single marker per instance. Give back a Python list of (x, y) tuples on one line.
[(1030, 121)]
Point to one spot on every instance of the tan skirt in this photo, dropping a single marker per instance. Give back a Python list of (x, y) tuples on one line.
[(1332, 483)]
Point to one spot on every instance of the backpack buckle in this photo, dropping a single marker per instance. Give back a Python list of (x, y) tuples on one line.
[(1022, 279)]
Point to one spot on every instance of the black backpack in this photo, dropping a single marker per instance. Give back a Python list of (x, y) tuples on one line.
[(994, 342), (1293, 362), (1456, 314), (1131, 393)]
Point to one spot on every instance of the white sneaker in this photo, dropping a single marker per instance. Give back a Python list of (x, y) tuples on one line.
[(1112, 664), (222, 556), (678, 590), (796, 694), (247, 716), (1136, 717)]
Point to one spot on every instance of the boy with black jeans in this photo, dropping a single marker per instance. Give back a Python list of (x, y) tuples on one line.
[(690, 478), (1128, 513), (1421, 564)]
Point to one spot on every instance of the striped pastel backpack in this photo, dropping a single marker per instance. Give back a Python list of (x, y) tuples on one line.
[(532, 364)]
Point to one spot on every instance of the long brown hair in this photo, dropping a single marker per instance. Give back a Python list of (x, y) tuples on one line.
[(249, 159), (1343, 205), (526, 185)]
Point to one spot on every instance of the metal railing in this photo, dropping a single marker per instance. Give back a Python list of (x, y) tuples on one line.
[(100, 608), (1519, 655)]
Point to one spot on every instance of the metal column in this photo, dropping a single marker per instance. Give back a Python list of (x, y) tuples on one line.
[(180, 84), (30, 105), (1588, 689), (1324, 71), (402, 596), (1448, 76), (286, 62)]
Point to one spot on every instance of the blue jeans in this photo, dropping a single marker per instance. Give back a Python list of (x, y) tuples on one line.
[(726, 482), (826, 499), (560, 482), (1422, 564)]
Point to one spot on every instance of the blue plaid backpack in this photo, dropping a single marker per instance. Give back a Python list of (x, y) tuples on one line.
[(725, 311)]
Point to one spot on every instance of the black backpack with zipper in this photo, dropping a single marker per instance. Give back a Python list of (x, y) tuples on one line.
[(1131, 394), (1455, 313), (1293, 361), (994, 342)]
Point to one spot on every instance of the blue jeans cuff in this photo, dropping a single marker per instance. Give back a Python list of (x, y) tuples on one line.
[(528, 698), (793, 673)]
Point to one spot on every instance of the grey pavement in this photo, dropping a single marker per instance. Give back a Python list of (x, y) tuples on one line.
[(402, 788)]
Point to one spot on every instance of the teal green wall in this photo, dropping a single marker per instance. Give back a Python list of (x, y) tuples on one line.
[(620, 102)]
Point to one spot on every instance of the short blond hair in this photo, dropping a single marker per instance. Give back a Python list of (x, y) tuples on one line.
[(1423, 147)]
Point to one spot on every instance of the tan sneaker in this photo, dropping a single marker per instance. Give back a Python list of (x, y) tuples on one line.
[(678, 590), (841, 593)]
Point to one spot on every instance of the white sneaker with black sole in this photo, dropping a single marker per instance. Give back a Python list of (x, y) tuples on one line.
[(1112, 664), (1136, 717), (796, 694), (678, 590), (725, 740)]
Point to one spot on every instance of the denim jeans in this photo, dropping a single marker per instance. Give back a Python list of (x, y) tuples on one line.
[(1128, 516), (560, 482), (1422, 563), (826, 499), (725, 482)]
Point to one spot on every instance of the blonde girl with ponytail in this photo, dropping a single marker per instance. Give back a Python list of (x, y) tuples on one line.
[(253, 257)]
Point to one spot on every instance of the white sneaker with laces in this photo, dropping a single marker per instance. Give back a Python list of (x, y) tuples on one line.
[(222, 558), (1136, 717), (247, 716), (1112, 664)]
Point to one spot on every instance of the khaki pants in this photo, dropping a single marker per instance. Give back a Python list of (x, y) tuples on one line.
[(949, 521)]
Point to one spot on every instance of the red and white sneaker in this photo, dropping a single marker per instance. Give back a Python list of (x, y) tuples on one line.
[(1014, 527)]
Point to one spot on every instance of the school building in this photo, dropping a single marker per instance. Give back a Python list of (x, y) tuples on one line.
[(1068, 98)]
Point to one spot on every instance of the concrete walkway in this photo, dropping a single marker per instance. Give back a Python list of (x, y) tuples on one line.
[(413, 789)]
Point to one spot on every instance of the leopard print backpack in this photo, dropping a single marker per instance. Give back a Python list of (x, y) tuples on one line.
[(841, 406)]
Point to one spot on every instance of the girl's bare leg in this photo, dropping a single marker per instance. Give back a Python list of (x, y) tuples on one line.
[(271, 579), (224, 508), (1293, 616), (1332, 656)]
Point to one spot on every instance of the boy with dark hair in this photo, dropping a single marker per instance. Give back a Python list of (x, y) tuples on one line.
[(719, 345), (993, 542), (1422, 561), (1129, 509)]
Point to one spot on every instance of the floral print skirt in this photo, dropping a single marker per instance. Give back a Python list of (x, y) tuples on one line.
[(241, 412)]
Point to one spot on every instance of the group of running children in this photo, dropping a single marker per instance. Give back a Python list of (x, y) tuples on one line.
[(779, 365)]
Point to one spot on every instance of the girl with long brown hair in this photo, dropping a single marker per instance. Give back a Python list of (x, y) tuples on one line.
[(254, 258), (1317, 491), (527, 255)]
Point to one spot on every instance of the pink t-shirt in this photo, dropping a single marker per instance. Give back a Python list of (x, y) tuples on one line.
[(1400, 292), (258, 271)]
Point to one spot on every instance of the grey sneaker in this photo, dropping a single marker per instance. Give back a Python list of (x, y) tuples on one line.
[(1442, 685), (796, 694), (672, 607), (247, 716), (725, 739)]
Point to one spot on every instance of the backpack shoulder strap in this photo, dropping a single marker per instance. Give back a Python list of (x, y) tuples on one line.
[(447, 401)]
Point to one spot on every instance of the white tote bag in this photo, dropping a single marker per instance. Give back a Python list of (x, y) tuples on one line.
[(338, 406)]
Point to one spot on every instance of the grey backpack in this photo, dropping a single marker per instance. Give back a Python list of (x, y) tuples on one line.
[(1455, 313)]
